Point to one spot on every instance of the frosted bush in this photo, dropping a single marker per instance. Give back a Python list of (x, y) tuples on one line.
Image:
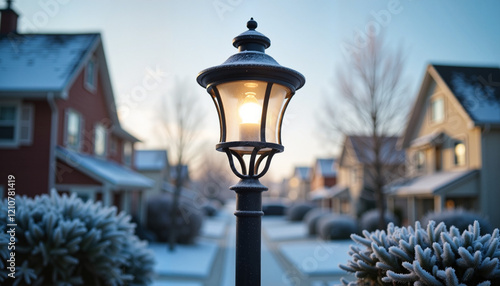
[(61, 240), (425, 256), (459, 218), (312, 217), (298, 211), (334, 226), (370, 220), (189, 219)]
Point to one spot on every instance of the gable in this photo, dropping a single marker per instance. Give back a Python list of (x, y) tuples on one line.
[(424, 119)]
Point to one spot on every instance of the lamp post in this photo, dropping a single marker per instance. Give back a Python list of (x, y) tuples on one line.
[(251, 92)]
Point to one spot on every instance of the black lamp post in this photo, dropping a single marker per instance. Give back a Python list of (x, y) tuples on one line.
[(251, 92)]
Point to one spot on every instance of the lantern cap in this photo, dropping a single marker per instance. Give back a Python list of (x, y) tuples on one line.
[(251, 62), (251, 40)]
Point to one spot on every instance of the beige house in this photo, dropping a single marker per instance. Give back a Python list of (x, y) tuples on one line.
[(299, 185), (354, 192), (452, 141)]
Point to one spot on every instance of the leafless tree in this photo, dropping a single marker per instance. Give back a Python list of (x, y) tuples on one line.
[(215, 177), (370, 100), (180, 119)]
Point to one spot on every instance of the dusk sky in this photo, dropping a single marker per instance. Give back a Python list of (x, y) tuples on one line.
[(172, 41)]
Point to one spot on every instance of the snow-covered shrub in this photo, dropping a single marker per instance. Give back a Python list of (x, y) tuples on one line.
[(370, 220), (298, 211), (312, 217), (334, 226), (61, 240), (189, 219), (425, 256), (459, 218), (274, 209)]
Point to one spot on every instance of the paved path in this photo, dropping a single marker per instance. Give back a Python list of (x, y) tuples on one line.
[(289, 257)]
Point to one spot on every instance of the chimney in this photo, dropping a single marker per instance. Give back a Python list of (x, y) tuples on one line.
[(8, 23)]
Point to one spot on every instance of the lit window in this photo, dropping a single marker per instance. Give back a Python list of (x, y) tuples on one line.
[(459, 153), (420, 160), (73, 126), (90, 74), (354, 175), (437, 110), (8, 120), (127, 153), (100, 140)]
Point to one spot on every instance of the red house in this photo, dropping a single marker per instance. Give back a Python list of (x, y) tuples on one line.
[(59, 127)]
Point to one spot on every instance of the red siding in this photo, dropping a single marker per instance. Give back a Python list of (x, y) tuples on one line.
[(93, 108), (68, 175), (30, 164)]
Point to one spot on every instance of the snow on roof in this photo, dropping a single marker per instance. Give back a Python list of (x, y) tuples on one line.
[(432, 183), (389, 153), (41, 62), (303, 173), (477, 89), (150, 160), (103, 170), (326, 167)]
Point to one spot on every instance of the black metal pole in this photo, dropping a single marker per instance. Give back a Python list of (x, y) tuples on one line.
[(248, 231)]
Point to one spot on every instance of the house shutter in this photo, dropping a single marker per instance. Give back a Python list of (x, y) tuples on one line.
[(26, 124)]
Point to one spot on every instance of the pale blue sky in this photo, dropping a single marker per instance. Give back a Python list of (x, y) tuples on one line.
[(177, 39)]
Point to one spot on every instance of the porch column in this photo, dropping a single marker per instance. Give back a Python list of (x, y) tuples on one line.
[(438, 204)]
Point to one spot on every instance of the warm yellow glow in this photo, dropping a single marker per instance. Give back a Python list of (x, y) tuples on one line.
[(250, 110)]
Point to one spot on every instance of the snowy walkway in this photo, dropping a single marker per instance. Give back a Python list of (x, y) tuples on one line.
[(289, 256)]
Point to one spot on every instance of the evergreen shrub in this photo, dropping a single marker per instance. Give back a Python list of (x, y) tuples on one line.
[(61, 240), (336, 227), (425, 256), (459, 218), (298, 211), (189, 219), (370, 220), (312, 217)]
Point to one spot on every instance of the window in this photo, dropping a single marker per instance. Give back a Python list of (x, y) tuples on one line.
[(354, 175), (73, 126), (16, 124), (100, 140), (91, 74), (419, 160), (460, 151), (127, 153), (437, 110), (8, 122)]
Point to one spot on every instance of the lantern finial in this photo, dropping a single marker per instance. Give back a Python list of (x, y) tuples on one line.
[(252, 24)]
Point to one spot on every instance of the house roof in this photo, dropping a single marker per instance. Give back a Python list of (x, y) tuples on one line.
[(363, 149), (40, 65), (326, 167), (476, 88), (42, 62), (150, 160), (303, 173), (107, 172), (433, 183)]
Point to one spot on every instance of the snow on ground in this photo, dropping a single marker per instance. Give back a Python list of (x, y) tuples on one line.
[(187, 260), (284, 230), (214, 227), (317, 257)]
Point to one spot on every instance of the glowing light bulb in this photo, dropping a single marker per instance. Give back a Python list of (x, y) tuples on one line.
[(250, 113), (250, 109)]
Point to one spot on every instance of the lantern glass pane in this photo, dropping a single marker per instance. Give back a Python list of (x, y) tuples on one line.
[(274, 110), (242, 102)]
